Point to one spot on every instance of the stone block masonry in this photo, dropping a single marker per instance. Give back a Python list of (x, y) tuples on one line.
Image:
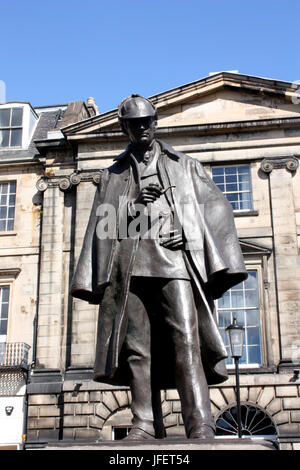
[(88, 412)]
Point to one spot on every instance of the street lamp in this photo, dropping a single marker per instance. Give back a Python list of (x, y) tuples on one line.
[(236, 335)]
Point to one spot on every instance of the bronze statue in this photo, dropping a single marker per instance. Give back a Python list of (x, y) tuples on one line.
[(160, 245)]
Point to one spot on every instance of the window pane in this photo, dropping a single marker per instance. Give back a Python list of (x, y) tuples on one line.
[(252, 318), (2, 225), (16, 138), (224, 318), (217, 171), (11, 212), (12, 187), (244, 185), (231, 187), (232, 197), (251, 281), (4, 138), (4, 188), (4, 311), (3, 327), (237, 299), (218, 179), (252, 336), (240, 316), (230, 170), (254, 355), (251, 298), (17, 114), (224, 302), (231, 179), (245, 205), (5, 294), (10, 224), (12, 199), (4, 117), (3, 212)]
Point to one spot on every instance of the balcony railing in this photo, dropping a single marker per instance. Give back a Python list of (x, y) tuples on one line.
[(14, 355)]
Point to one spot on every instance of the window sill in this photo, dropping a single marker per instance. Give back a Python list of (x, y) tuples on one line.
[(8, 233), (251, 370), (246, 214), (18, 147)]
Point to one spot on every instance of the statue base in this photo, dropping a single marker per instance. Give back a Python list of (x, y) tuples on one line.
[(158, 447)]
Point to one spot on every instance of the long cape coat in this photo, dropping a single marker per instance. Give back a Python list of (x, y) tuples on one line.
[(212, 255)]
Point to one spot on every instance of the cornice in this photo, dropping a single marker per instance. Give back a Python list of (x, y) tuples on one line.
[(197, 129), (9, 272)]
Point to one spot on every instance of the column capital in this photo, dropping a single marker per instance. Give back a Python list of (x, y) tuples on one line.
[(290, 163), (66, 182)]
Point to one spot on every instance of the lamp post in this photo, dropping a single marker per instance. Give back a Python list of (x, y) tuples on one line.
[(236, 335)]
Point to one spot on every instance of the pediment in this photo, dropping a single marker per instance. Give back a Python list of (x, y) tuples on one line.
[(223, 97), (250, 248)]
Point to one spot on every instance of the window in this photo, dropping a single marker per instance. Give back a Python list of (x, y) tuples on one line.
[(235, 183), (4, 299), (242, 302), (255, 422), (11, 120), (119, 432), (7, 205)]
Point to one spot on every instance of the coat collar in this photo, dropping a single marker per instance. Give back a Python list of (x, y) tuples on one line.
[(166, 149)]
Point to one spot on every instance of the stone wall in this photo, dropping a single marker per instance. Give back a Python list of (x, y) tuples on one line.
[(88, 411)]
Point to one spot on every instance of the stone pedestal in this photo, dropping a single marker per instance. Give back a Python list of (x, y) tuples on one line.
[(166, 447)]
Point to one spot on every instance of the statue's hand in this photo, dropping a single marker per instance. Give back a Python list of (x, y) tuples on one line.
[(149, 194), (172, 240)]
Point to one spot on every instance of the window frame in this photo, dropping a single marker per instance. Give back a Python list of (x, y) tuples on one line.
[(30, 119), (10, 128), (250, 191), (257, 266), (7, 279), (8, 182), (2, 286)]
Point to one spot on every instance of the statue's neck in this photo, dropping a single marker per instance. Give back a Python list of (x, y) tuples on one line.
[(140, 151)]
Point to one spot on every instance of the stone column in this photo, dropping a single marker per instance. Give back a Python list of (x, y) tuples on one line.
[(84, 316), (287, 260), (49, 333)]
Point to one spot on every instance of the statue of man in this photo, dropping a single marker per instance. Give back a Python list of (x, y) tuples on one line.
[(169, 248)]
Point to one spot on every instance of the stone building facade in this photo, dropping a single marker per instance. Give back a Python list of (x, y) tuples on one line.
[(20, 250), (246, 132)]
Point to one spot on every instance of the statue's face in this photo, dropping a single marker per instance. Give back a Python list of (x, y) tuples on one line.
[(141, 131)]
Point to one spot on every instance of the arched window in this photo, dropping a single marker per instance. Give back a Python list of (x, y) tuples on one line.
[(255, 422)]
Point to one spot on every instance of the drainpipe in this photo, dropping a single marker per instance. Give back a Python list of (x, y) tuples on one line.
[(26, 375)]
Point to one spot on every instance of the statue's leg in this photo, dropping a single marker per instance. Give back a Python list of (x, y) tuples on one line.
[(137, 344), (181, 318)]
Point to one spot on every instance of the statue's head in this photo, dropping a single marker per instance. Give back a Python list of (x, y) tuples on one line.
[(138, 118)]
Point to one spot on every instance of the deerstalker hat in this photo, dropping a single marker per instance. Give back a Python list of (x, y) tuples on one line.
[(136, 106)]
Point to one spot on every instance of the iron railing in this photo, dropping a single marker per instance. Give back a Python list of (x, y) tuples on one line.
[(14, 355)]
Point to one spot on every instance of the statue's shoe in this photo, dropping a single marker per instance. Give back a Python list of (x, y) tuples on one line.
[(137, 434), (204, 431)]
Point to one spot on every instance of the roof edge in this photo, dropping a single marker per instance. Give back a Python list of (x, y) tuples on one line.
[(163, 99)]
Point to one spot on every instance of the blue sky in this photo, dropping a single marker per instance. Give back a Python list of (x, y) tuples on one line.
[(57, 51)]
